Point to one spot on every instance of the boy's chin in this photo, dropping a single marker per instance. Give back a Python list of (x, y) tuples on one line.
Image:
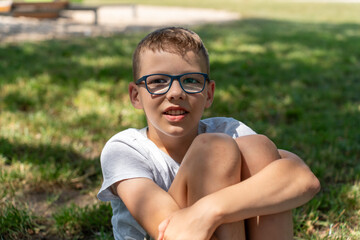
[(178, 131)]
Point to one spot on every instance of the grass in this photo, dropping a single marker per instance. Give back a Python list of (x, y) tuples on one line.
[(15, 222), (292, 75), (80, 222)]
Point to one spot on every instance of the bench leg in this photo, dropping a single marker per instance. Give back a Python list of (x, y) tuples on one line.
[(95, 17)]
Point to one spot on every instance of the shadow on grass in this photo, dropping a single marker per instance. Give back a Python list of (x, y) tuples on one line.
[(55, 164), (281, 78), (296, 82), (68, 62)]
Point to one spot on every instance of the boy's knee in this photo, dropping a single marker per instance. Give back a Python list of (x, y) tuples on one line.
[(258, 138), (216, 143), (257, 142), (217, 150), (257, 151), (212, 138)]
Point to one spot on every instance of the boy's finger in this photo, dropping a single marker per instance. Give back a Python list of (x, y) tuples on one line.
[(161, 235), (162, 227)]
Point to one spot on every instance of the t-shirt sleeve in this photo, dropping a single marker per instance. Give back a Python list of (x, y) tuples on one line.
[(229, 126), (120, 161), (239, 129)]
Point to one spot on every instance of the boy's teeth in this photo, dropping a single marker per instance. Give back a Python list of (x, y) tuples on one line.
[(175, 112)]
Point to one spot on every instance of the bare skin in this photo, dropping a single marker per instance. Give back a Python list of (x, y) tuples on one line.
[(150, 205), (213, 163), (254, 184)]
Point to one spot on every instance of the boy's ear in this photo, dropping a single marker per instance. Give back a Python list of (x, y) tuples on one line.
[(134, 95), (210, 93)]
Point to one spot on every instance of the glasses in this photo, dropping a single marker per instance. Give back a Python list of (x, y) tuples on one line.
[(158, 84)]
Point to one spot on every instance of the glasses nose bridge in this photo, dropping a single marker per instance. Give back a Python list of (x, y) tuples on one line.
[(173, 78), (176, 77)]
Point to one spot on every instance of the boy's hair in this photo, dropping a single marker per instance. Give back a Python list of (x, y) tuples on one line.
[(176, 40)]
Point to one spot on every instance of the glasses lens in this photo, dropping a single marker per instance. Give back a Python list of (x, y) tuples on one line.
[(158, 84), (193, 82)]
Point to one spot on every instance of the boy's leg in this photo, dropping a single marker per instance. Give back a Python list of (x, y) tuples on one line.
[(277, 226), (212, 162)]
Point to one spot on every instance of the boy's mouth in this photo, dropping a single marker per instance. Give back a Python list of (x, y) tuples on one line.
[(175, 112)]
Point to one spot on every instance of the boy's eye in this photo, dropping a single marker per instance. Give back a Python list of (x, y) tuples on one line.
[(190, 81), (157, 81)]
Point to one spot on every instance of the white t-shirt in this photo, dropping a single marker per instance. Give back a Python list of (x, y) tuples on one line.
[(130, 154)]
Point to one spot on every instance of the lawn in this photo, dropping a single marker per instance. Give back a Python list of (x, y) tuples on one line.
[(288, 70)]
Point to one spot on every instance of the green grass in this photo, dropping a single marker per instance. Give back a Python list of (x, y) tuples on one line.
[(292, 75), (16, 222), (81, 222)]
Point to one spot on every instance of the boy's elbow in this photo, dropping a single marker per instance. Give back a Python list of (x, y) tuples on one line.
[(312, 184), (306, 179), (316, 186)]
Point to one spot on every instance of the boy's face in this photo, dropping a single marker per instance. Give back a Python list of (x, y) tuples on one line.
[(174, 113)]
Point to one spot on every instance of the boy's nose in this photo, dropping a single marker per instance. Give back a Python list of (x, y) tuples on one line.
[(175, 91)]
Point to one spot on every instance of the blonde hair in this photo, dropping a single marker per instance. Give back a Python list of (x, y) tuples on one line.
[(176, 40)]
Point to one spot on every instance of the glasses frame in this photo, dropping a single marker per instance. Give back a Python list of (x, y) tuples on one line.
[(172, 78)]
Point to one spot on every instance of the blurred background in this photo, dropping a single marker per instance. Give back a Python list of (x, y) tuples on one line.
[(290, 69)]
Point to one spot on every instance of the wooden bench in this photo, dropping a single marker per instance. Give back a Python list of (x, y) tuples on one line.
[(38, 9), (48, 10), (53, 10)]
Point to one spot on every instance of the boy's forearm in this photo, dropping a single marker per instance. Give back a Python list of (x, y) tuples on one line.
[(285, 184), (147, 202), (158, 214)]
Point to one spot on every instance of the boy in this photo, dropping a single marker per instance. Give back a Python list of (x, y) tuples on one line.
[(186, 178)]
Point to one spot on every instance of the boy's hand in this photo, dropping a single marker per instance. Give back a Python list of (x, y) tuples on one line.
[(187, 223), (162, 228)]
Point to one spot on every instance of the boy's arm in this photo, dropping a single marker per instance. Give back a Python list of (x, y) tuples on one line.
[(146, 201), (282, 185)]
